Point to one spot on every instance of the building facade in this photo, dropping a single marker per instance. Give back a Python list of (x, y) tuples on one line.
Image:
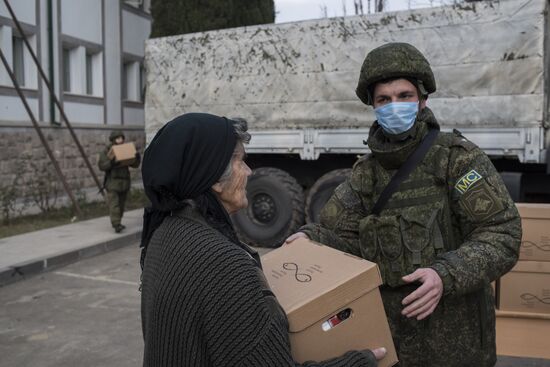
[(92, 51)]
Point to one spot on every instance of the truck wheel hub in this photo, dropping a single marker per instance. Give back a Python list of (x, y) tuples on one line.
[(263, 208)]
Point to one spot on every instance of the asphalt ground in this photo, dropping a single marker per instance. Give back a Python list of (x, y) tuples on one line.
[(88, 314)]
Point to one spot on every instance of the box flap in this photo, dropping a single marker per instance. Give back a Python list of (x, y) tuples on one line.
[(532, 267), (532, 210), (313, 281)]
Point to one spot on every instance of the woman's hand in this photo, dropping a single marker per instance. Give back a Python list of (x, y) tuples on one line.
[(379, 353)]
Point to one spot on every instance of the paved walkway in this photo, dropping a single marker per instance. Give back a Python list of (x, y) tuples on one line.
[(34, 252)]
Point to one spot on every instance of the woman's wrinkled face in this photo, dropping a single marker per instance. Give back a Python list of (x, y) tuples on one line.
[(232, 191)]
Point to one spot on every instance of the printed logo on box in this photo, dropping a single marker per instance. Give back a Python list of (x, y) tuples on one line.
[(300, 275), (529, 246), (530, 299)]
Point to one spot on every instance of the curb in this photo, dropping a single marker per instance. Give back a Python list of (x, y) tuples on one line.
[(23, 270)]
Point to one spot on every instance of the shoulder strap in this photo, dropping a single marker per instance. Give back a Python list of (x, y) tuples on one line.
[(405, 170)]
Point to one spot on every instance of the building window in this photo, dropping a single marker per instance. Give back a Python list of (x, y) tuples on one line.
[(132, 81), (66, 70), (125, 72), (89, 75), (142, 81), (82, 71), (18, 60), (94, 73)]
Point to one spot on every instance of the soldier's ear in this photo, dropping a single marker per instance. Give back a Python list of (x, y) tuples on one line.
[(422, 102)]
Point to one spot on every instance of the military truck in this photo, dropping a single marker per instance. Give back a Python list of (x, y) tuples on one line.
[(295, 85)]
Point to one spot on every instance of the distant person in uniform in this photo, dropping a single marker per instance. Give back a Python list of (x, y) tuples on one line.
[(117, 180), (440, 235)]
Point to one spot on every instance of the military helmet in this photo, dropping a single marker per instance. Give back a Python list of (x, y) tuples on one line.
[(115, 134), (394, 60)]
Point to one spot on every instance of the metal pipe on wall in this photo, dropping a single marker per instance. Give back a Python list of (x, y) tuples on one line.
[(50, 62)]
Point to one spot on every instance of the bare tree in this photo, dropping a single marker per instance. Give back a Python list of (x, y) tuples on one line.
[(344, 8), (324, 11), (358, 4), (379, 6)]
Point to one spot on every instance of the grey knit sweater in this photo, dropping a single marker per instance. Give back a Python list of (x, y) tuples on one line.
[(205, 302)]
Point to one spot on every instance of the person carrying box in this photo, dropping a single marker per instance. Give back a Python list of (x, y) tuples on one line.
[(117, 179)]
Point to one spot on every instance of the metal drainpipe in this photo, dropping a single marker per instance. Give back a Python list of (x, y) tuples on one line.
[(50, 62)]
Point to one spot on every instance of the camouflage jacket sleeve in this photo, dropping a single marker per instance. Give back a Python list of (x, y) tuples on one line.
[(339, 218), (104, 163), (137, 161), (486, 218)]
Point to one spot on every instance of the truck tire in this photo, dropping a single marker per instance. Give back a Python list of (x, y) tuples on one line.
[(275, 208), (322, 190)]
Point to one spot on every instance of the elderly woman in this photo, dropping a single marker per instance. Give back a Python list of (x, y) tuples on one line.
[(205, 301)]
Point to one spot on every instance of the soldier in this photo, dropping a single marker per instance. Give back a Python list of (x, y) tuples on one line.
[(446, 232), (117, 180)]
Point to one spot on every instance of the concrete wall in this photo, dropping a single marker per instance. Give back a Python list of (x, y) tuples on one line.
[(113, 63), (135, 30), (133, 116), (82, 19), (11, 108), (25, 10), (85, 113)]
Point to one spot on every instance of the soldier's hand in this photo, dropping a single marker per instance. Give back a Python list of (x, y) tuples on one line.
[(423, 301), (295, 236)]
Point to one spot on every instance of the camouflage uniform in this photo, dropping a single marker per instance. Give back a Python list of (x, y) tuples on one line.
[(452, 214), (117, 181)]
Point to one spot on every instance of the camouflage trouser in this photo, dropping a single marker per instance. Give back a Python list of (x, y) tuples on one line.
[(116, 206)]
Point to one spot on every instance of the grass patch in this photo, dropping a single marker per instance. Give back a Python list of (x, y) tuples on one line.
[(60, 216)]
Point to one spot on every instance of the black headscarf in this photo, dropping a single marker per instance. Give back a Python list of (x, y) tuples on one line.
[(185, 158)]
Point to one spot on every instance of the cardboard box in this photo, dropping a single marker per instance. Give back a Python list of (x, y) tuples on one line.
[(331, 300), (124, 154), (535, 242), (526, 288), (523, 334)]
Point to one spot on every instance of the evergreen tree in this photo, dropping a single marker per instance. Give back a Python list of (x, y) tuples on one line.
[(172, 17)]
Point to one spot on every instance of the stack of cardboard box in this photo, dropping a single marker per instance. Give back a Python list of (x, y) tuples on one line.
[(523, 316)]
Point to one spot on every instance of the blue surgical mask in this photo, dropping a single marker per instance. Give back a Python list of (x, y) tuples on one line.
[(396, 117)]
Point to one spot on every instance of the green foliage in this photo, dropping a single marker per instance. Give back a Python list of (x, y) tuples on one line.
[(43, 186), (9, 192), (171, 17)]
